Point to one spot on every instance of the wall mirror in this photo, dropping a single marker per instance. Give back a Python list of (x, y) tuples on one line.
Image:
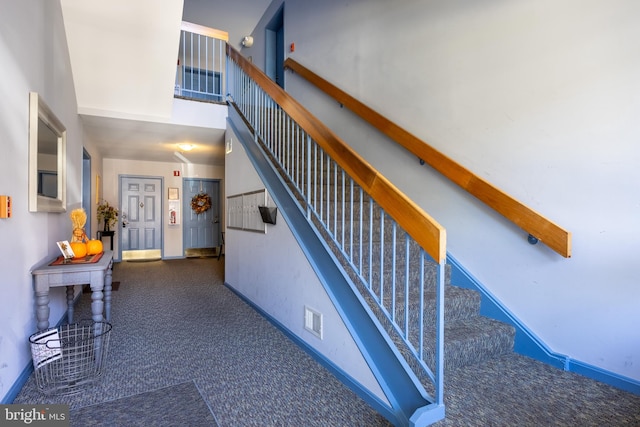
[(47, 158)]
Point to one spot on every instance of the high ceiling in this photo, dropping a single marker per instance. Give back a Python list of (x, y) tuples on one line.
[(123, 58)]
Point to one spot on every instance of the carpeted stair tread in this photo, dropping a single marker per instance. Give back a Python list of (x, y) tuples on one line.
[(459, 304), (475, 340)]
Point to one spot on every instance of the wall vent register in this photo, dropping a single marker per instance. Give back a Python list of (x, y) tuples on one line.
[(313, 321)]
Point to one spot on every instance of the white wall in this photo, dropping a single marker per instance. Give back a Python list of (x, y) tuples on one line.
[(271, 270), (113, 168), (541, 98), (34, 57), (111, 44)]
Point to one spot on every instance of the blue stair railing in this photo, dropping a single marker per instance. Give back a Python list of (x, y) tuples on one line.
[(394, 251)]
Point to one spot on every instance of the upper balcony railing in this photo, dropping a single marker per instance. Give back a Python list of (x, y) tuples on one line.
[(201, 63), (538, 227)]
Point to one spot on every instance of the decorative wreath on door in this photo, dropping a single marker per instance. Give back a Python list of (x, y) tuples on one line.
[(200, 203)]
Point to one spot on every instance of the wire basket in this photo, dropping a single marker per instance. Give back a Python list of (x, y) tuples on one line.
[(70, 357)]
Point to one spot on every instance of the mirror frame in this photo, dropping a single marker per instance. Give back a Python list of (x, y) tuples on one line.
[(39, 111)]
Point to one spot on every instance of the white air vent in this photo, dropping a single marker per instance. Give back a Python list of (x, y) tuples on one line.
[(313, 321)]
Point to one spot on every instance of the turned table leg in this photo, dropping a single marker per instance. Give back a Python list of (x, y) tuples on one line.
[(97, 305), (42, 309), (108, 279)]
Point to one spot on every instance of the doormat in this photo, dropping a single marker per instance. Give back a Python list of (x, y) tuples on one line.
[(201, 252), (114, 287), (175, 405)]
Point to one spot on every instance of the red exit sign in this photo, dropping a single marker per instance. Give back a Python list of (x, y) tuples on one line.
[(176, 173)]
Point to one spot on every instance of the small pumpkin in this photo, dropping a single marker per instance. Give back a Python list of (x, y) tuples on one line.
[(94, 247), (79, 249)]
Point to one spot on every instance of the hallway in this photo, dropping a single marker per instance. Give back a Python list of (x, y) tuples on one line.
[(174, 322)]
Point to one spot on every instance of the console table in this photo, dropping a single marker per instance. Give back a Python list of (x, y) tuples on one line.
[(97, 275)]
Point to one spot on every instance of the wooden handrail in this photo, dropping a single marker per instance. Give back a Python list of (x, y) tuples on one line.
[(412, 218), (524, 217), (204, 31)]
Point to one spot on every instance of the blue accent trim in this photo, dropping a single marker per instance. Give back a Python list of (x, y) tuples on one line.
[(344, 377), (28, 370), (17, 386), (400, 385), (428, 415), (607, 377), (529, 344)]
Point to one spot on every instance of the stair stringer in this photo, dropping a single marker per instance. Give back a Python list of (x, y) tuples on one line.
[(409, 403)]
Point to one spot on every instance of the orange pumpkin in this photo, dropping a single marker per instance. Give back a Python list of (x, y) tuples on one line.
[(94, 247), (79, 249)]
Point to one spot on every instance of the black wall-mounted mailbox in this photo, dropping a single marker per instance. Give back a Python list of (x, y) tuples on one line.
[(268, 214)]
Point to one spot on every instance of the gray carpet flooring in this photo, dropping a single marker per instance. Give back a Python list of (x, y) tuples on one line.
[(181, 339), (518, 391)]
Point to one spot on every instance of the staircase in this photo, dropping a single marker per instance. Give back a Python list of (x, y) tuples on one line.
[(397, 301), (470, 338)]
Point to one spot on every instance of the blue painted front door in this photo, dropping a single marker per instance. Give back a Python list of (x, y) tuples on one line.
[(141, 219), (201, 230)]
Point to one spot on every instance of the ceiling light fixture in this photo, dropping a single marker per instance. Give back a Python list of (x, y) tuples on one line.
[(186, 147)]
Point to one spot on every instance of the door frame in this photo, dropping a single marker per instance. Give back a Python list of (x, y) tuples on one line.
[(163, 205), (274, 47), (186, 205)]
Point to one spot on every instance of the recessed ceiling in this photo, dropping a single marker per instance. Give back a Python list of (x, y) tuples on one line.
[(150, 141)]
